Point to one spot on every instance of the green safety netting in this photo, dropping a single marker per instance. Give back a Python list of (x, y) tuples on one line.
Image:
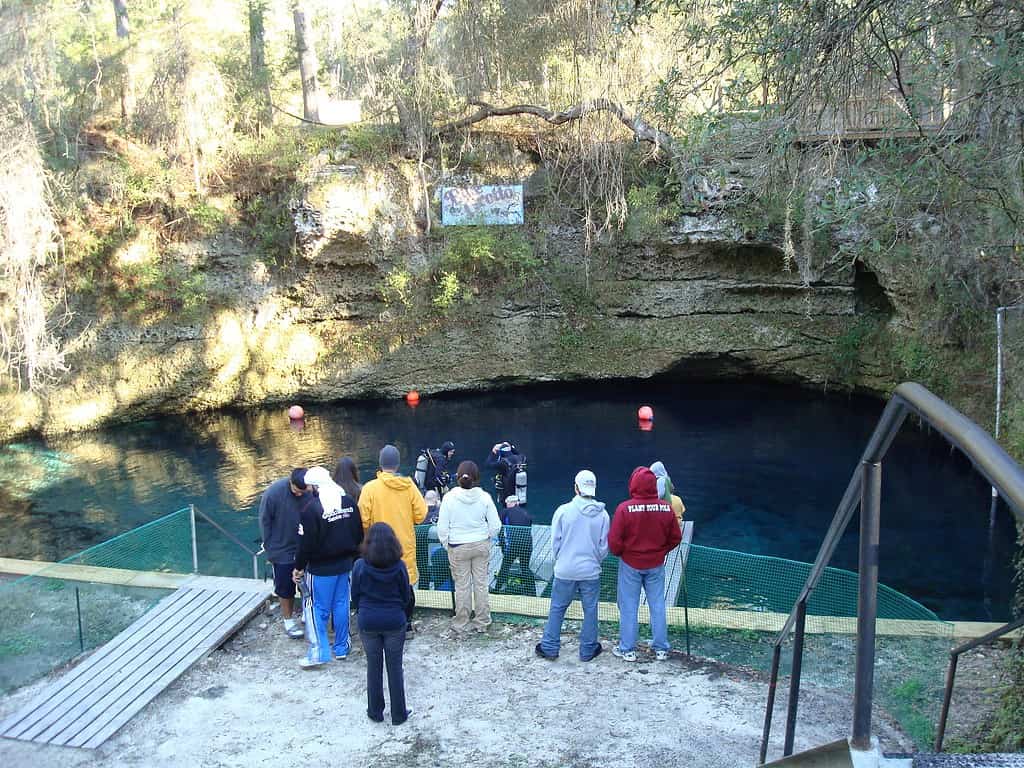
[(723, 605)]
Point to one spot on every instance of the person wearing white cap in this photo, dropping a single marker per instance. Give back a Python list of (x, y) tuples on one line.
[(579, 541)]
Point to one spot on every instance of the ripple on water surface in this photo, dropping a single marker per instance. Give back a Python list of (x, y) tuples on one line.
[(760, 468)]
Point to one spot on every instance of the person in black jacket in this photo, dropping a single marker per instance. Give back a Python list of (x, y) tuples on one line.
[(330, 532), (381, 594), (506, 460), (516, 541)]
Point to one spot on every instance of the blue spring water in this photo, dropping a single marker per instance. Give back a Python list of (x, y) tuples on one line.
[(761, 468)]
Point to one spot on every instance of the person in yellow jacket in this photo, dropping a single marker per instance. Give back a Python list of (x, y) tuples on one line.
[(397, 501)]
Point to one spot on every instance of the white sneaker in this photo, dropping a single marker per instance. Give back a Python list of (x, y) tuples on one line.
[(307, 664), (661, 655), (624, 655), (293, 629)]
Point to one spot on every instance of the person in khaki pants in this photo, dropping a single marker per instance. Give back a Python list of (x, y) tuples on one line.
[(465, 526)]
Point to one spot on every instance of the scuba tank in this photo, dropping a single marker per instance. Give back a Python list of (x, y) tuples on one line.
[(420, 475), (521, 483)]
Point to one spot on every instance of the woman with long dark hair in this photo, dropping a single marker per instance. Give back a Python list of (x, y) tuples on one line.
[(465, 526), (381, 594), (346, 474)]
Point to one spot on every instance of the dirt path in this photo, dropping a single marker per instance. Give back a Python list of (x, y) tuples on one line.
[(485, 701)]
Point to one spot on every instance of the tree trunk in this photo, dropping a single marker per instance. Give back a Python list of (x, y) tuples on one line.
[(258, 63), (308, 64), (127, 74)]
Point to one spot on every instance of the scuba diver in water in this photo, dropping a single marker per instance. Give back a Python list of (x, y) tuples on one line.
[(509, 467), (432, 468)]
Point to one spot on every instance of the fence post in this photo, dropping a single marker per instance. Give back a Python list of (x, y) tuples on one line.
[(770, 708), (78, 610), (195, 550), (867, 603), (794, 677)]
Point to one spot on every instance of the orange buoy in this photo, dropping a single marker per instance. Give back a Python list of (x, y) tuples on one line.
[(646, 425), (295, 412), (645, 413), (412, 397)]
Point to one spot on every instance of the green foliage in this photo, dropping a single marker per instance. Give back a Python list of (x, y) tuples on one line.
[(849, 347), (649, 212), (448, 291), (397, 290), (489, 253), (908, 702)]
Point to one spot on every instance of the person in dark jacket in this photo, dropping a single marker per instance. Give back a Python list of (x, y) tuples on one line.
[(643, 531), (381, 594), (506, 460), (330, 532), (516, 545), (279, 523), (439, 464)]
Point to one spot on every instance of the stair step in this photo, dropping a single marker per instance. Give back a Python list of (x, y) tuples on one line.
[(947, 760)]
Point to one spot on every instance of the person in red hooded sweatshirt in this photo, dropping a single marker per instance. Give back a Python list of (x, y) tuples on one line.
[(643, 531)]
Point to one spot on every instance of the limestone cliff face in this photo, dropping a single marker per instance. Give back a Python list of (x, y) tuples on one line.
[(698, 300)]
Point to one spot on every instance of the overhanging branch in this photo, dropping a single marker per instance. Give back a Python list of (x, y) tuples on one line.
[(640, 128)]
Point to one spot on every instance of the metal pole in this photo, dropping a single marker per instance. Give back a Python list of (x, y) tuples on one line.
[(770, 709), (255, 567), (867, 603), (794, 677), (78, 610), (947, 697), (195, 549), (686, 615)]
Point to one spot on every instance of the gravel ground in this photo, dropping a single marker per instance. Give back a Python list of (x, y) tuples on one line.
[(485, 700)]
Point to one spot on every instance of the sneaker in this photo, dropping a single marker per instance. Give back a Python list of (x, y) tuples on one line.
[(624, 655), (661, 655), (307, 664), (540, 652), (293, 630), (594, 655)]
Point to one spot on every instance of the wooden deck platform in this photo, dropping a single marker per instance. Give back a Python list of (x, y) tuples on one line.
[(87, 704)]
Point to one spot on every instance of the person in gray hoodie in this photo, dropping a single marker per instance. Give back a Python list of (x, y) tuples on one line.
[(579, 540)]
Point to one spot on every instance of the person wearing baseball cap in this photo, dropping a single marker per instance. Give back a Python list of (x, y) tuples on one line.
[(280, 508), (579, 541)]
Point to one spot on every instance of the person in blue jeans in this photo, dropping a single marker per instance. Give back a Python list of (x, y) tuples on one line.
[(381, 594), (644, 530), (579, 541), (330, 531)]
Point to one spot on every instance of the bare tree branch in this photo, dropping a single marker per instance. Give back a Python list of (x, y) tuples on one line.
[(642, 130)]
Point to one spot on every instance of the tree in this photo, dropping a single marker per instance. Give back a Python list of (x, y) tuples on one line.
[(309, 64), (123, 27), (258, 62)]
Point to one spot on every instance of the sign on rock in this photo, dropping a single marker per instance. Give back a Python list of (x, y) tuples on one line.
[(488, 204)]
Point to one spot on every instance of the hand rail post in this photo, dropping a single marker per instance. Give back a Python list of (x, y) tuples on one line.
[(195, 549), (947, 697), (867, 603), (78, 610), (256, 567), (794, 677), (770, 709)]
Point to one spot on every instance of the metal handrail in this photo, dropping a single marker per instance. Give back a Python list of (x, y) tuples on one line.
[(954, 657), (238, 542), (989, 459)]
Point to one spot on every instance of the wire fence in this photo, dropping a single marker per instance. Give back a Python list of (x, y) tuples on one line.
[(729, 606), (722, 605)]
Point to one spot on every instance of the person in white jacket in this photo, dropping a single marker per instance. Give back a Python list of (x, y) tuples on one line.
[(467, 523), (579, 540)]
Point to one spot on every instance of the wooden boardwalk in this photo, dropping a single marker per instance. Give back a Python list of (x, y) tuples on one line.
[(87, 704)]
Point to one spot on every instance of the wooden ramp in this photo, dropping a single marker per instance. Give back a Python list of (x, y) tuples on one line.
[(85, 705)]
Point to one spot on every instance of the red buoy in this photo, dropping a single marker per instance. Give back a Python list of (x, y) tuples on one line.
[(412, 397), (645, 425), (645, 413), (295, 412)]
